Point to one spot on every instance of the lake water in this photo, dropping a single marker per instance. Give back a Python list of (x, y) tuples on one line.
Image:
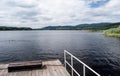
[(96, 50)]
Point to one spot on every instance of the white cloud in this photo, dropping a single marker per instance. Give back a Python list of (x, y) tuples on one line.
[(40, 13)]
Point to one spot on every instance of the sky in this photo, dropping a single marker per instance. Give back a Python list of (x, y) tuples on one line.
[(42, 13)]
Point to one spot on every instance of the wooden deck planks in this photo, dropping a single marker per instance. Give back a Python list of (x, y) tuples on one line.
[(53, 68), (3, 72), (3, 69)]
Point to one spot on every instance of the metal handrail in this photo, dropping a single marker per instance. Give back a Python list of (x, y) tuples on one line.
[(71, 64)]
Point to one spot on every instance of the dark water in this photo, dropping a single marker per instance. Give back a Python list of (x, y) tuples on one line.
[(99, 52)]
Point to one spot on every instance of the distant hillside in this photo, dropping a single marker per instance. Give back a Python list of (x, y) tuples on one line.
[(94, 26), (14, 28)]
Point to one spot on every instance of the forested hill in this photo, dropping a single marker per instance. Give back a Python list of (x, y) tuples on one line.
[(2, 28), (94, 26)]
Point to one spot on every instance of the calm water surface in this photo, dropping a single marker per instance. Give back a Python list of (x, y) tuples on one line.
[(99, 52)]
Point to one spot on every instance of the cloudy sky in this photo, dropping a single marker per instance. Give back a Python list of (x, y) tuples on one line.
[(41, 13)]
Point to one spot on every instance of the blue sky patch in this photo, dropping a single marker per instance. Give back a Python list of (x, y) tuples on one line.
[(98, 3)]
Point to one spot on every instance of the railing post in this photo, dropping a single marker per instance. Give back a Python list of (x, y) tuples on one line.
[(65, 58), (83, 70), (72, 65)]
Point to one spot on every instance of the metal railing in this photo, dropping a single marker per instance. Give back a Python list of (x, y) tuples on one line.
[(71, 65)]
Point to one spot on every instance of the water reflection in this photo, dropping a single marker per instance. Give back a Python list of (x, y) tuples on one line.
[(100, 52)]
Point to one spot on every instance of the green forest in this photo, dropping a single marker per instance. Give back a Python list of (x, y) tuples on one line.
[(4, 28)]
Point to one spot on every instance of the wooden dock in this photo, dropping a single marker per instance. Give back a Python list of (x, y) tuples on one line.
[(53, 68)]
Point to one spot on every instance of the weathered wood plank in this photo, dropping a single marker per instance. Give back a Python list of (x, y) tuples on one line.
[(4, 72), (53, 68), (40, 72), (24, 65), (4, 66)]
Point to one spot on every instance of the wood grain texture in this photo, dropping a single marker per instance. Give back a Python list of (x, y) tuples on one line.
[(53, 68)]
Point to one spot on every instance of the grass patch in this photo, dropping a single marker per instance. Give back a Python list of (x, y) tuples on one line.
[(113, 32)]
